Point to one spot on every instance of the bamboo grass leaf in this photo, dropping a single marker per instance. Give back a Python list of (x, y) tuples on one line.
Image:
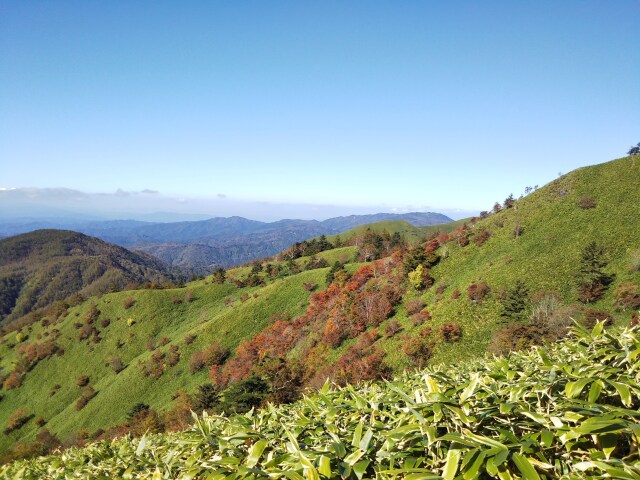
[(255, 452), (324, 466), (525, 467), (624, 392), (451, 466), (573, 389)]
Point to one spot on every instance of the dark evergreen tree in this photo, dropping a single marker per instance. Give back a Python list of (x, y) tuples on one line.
[(515, 302), (592, 279), (220, 275), (324, 244), (509, 201), (137, 410), (293, 267), (257, 267), (416, 256), (634, 150), (396, 240), (206, 398), (336, 267), (242, 396)]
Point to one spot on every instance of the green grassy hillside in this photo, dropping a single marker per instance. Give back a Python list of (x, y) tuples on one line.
[(41, 267), (546, 255), (409, 232), (272, 329), (567, 411), (188, 318)]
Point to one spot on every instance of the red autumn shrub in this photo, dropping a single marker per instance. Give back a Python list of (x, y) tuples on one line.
[(419, 348), (392, 328), (414, 306), (421, 317), (477, 292), (451, 332)]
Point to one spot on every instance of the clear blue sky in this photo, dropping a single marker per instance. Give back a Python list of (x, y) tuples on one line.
[(411, 104)]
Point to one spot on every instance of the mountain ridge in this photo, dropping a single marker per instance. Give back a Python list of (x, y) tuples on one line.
[(203, 245), (44, 266)]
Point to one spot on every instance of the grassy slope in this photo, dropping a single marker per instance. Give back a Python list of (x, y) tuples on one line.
[(516, 417), (546, 256), (410, 233), (54, 264), (156, 315)]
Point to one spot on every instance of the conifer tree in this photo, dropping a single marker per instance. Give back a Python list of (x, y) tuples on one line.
[(515, 302), (593, 280)]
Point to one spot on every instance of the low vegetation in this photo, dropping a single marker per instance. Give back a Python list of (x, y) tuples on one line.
[(566, 410)]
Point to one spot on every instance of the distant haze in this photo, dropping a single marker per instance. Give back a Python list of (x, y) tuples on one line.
[(149, 205)]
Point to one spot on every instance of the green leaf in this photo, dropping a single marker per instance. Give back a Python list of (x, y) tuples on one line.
[(491, 467), (291, 475), (599, 425), (458, 438), (597, 329), (546, 438), (525, 467), (536, 417), (500, 457), (310, 471), (360, 468), (295, 447), (595, 390), (255, 452), (141, 445), (612, 471), (490, 442), (432, 385), (413, 473), (470, 388), (339, 449), (472, 468), (353, 457), (623, 391), (573, 389), (326, 387), (608, 442), (357, 435), (451, 466), (324, 466), (366, 440), (422, 476), (546, 360)]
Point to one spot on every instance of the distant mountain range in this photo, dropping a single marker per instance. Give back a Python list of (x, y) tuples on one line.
[(200, 246)]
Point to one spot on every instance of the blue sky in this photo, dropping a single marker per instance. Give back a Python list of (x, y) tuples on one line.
[(360, 105)]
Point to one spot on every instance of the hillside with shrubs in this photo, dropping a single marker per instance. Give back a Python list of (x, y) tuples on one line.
[(359, 307), (566, 410), (45, 266)]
